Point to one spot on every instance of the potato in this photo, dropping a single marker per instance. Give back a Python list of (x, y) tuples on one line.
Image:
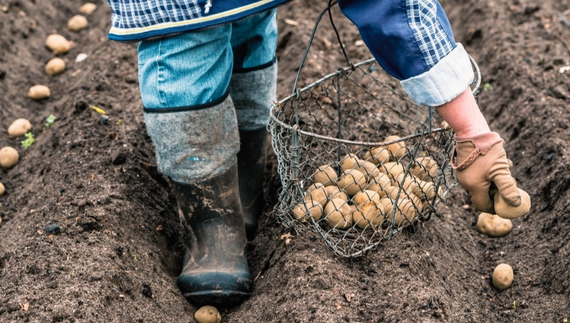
[(398, 149), (405, 212), (350, 161), (425, 190), (378, 155), (493, 225), (316, 193), (333, 192), (299, 211), (407, 182), (8, 157), (2, 189), (19, 127), (369, 213), (503, 276), (368, 169), (425, 168), (55, 66), (352, 181), (507, 211), (338, 214), (365, 196), (207, 314), (88, 8), (58, 44), (379, 184), (399, 194), (393, 169), (39, 92), (77, 23), (326, 175)]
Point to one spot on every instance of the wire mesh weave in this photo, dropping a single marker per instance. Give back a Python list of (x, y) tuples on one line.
[(358, 160)]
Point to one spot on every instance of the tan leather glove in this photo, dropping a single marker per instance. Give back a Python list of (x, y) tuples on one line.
[(480, 162)]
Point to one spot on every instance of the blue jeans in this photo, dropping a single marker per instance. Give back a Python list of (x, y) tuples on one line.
[(195, 68)]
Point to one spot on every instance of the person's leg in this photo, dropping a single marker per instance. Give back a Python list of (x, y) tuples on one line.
[(253, 88), (192, 123)]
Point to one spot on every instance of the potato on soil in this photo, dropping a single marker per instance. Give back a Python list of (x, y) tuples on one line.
[(352, 181), (77, 23), (378, 155), (39, 92), (333, 192), (88, 8), (326, 175), (507, 211), (19, 127), (398, 149), (503, 276), (366, 196), (299, 211), (2, 189), (58, 44), (369, 213), (393, 169), (425, 168), (316, 193), (207, 314), (55, 66), (493, 225), (9, 157), (338, 214)]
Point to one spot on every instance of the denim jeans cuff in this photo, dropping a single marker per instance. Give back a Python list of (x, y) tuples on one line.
[(443, 82)]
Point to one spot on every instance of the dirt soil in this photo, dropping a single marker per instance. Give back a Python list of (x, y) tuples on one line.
[(90, 230)]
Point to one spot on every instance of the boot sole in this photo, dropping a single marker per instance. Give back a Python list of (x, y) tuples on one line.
[(217, 297)]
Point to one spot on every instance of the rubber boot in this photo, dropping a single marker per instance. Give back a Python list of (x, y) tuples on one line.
[(251, 168), (215, 270)]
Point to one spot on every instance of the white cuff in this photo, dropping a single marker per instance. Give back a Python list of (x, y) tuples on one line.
[(443, 82)]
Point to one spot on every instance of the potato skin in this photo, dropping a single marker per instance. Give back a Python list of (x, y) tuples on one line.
[(207, 314), (338, 214), (503, 276), (493, 225), (315, 211), (326, 175), (352, 181), (9, 157)]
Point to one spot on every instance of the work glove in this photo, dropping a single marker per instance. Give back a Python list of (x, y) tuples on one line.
[(482, 168)]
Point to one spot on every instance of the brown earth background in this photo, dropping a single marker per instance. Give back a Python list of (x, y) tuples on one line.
[(118, 254)]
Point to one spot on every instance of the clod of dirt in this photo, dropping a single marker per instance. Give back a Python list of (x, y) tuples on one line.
[(2, 191), (503, 276), (58, 44), (39, 92), (19, 127), (88, 8), (77, 23), (207, 314), (55, 66), (53, 228), (9, 157)]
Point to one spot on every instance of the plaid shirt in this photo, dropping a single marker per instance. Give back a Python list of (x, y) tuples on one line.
[(135, 20)]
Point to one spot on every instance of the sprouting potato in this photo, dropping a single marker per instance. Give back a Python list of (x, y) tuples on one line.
[(207, 314), (299, 211), (316, 193), (378, 155), (338, 214), (503, 276), (55, 66), (19, 127), (352, 181), (9, 157), (58, 44), (369, 213), (507, 211), (365, 196), (333, 192), (398, 149), (326, 175), (77, 23), (39, 92), (493, 225)]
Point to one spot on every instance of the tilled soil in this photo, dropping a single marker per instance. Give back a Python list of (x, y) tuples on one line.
[(90, 229)]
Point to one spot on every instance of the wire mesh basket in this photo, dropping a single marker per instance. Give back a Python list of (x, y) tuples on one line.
[(358, 160)]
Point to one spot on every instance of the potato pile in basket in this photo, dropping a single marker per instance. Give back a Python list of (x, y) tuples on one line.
[(372, 191)]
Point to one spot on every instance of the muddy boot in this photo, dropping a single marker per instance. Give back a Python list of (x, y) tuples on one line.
[(215, 270), (251, 167), (253, 91)]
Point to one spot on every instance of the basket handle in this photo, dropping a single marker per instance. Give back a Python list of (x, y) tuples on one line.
[(295, 91)]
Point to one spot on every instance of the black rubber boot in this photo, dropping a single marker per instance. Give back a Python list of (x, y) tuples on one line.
[(251, 168), (215, 268)]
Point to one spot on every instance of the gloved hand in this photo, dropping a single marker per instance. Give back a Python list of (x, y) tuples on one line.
[(479, 162)]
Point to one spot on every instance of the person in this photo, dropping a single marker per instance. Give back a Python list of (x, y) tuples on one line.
[(207, 77)]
